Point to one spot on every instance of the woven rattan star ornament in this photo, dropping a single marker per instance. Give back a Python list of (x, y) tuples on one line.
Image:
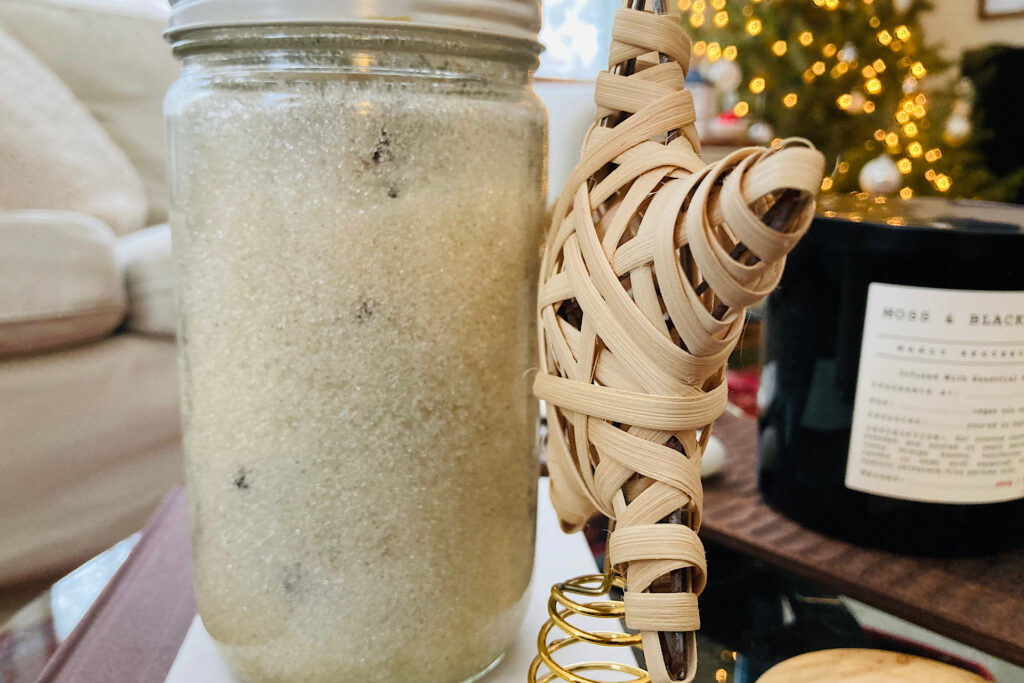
[(651, 261)]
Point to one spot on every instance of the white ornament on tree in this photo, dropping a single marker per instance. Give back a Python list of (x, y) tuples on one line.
[(848, 53), (958, 128), (958, 125), (902, 6), (725, 75), (880, 175)]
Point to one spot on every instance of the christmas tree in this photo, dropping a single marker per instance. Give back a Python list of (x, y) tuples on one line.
[(849, 75)]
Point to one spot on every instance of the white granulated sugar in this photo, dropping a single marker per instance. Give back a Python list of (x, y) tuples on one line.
[(357, 268)]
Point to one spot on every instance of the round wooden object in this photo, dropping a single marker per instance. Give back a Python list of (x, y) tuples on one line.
[(865, 666)]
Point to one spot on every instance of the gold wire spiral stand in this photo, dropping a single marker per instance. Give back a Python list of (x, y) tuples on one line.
[(562, 606)]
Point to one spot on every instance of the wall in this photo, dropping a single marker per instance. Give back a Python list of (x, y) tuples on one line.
[(956, 24), (570, 107)]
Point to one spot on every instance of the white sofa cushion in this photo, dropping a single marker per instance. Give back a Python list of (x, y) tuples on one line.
[(53, 154), (59, 281), (112, 55), (145, 258), (91, 443)]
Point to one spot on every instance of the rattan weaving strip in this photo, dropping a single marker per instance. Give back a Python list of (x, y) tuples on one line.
[(651, 259)]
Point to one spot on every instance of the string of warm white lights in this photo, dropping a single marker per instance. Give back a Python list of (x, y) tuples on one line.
[(864, 75)]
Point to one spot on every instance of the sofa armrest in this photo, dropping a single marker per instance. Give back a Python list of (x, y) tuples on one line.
[(145, 259)]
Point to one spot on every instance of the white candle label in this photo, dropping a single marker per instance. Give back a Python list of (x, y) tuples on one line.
[(939, 410)]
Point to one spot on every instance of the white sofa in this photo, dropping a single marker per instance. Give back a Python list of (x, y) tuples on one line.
[(89, 425)]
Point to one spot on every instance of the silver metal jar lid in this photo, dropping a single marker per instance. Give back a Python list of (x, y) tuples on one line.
[(512, 18)]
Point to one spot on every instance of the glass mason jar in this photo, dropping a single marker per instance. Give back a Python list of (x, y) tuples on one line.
[(356, 211)]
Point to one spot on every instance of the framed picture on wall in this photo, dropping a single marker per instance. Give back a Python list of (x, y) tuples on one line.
[(997, 9)]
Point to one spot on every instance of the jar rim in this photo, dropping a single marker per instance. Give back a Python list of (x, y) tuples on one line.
[(518, 19)]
